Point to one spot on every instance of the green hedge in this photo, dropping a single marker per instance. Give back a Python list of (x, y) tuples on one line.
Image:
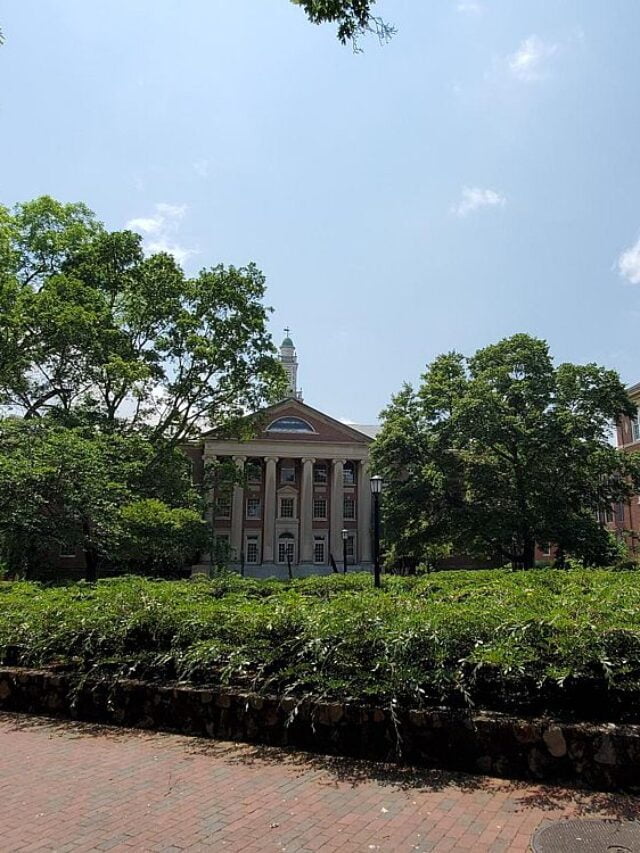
[(542, 640)]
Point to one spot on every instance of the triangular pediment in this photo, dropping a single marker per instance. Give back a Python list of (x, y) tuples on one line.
[(293, 420)]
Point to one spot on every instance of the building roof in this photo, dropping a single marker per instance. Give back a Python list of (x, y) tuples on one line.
[(370, 430), (287, 342)]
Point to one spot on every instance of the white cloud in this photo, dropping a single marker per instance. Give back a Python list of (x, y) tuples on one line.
[(180, 253), (629, 263), (474, 198), (529, 61), (469, 7), (147, 226), (160, 229)]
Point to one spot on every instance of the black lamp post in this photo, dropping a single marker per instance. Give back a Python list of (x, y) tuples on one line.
[(376, 489), (345, 536)]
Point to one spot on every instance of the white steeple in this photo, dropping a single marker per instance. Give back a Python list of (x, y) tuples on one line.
[(289, 361)]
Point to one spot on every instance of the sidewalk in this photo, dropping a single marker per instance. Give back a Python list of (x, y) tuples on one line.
[(76, 787)]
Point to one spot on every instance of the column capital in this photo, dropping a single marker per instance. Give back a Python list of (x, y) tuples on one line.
[(239, 459), (306, 459), (338, 461), (271, 458)]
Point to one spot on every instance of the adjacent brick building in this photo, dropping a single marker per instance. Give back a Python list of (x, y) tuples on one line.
[(625, 518)]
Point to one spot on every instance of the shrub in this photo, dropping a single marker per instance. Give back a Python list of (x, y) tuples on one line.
[(564, 641)]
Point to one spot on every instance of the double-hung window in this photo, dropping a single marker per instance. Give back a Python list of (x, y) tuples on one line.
[(252, 550), (223, 506), (287, 506), (349, 508), (253, 507), (351, 548), (288, 473), (319, 509), (320, 474)]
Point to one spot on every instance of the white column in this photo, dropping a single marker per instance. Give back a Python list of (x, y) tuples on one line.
[(269, 518), (237, 512), (364, 511), (306, 511), (337, 508)]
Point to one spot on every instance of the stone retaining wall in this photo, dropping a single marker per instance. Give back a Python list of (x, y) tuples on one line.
[(603, 756)]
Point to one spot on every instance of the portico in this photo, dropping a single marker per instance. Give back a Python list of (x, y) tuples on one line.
[(295, 496), (302, 480)]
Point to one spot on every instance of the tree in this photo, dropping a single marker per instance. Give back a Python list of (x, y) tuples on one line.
[(354, 18), (500, 451), (90, 327), (155, 538), (62, 485)]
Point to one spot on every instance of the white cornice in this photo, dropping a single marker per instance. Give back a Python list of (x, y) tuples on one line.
[(286, 450)]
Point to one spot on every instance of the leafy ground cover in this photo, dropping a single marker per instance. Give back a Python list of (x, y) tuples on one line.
[(566, 642)]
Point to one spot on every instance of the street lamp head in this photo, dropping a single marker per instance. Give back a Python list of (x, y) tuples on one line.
[(376, 484), (345, 535)]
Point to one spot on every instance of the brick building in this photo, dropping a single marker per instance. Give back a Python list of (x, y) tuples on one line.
[(306, 480), (625, 518)]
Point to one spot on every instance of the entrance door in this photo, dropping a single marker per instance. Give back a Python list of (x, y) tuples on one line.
[(286, 549)]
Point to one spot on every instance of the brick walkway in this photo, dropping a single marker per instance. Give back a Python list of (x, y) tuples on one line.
[(67, 787)]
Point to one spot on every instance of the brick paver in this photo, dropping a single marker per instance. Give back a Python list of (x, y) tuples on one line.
[(72, 787)]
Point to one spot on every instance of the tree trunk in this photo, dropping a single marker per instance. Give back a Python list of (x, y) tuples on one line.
[(91, 563), (528, 553), (90, 555)]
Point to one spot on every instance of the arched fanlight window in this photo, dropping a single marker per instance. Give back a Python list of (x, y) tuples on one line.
[(290, 424)]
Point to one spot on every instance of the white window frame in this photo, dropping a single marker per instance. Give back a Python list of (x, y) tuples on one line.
[(253, 538), (323, 516), (227, 513), (320, 540), (635, 426), (349, 499), (291, 498), (256, 515)]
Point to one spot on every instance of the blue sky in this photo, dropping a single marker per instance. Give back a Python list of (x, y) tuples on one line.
[(476, 177)]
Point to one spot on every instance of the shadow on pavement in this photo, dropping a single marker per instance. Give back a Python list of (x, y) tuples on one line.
[(332, 770)]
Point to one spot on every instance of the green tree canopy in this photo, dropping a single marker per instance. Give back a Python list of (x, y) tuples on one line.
[(155, 538), (104, 493), (495, 453), (90, 327)]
